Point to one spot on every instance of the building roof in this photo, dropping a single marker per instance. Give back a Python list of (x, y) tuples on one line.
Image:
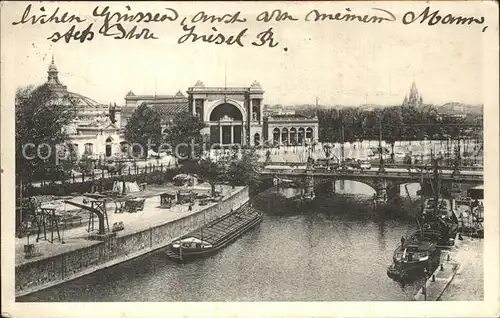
[(290, 117), (165, 109), (80, 100), (152, 97), (171, 108)]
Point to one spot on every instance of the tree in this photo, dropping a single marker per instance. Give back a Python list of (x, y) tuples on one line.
[(41, 116), (144, 126), (184, 136), (71, 160), (85, 163), (392, 125), (245, 170), (210, 172)]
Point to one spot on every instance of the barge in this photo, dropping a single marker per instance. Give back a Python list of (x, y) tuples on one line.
[(215, 235)]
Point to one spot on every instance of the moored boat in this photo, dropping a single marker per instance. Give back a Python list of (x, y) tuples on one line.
[(438, 216), (215, 235), (414, 256)]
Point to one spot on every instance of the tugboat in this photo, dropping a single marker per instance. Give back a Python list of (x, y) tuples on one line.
[(215, 235), (413, 257), (439, 218), (437, 214)]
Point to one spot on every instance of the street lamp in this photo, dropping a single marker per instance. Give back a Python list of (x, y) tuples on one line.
[(381, 158)]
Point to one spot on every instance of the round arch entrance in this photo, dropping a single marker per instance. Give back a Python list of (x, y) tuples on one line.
[(226, 124)]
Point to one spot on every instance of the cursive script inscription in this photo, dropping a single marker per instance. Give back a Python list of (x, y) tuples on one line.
[(113, 24), (315, 15), (148, 17), (266, 37), (226, 18), (276, 14), (435, 18), (217, 38), (44, 18), (73, 34)]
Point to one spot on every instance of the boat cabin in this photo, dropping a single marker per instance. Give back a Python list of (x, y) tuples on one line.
[(414, 252), (191, 243)]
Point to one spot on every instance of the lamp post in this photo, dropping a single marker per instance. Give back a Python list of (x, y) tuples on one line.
[(381, 158)]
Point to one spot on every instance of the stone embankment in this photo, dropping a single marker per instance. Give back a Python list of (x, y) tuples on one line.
[(78, 259), (459, 277)]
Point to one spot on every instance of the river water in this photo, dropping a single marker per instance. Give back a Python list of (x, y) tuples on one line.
[(333, 250)]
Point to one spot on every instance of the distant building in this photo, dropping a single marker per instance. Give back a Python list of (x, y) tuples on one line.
[(232, 115), (414, 99), (167, 105), (290, 128), (92, 130)]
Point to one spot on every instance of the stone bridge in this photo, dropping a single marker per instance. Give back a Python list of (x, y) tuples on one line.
[(320, 180)]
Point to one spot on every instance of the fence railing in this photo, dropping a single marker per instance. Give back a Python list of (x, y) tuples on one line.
[(103, 174)]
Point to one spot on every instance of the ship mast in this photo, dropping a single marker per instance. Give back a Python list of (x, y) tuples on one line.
[(341, 138), (436, 180)]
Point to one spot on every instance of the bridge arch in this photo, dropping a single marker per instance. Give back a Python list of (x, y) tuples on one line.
[(329, 182)]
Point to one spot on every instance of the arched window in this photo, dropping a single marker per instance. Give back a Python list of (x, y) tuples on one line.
[(300, 135), (109, 146), (309, 134), (276, 135), (284, 135), (256, 139), (293, 136)]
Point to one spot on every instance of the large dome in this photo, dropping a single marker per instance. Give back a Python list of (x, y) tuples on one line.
[(80, 100)]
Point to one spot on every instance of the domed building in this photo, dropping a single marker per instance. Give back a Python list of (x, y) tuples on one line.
[(92, 130)]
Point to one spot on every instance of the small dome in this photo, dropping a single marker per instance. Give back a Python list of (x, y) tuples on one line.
[(52, 66), (199, 84), (179, 94), (130, 93)]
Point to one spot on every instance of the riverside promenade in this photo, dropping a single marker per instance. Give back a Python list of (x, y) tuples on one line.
[(461, 276), (144, 231), (151, 215)]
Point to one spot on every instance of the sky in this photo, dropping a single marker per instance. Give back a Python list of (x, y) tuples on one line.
[(340, 63)]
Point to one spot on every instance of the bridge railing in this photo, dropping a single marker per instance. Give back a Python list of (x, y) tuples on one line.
[(400, 166), (369, 173)]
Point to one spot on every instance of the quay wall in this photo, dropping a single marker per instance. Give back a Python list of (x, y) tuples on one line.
[(46, 272)]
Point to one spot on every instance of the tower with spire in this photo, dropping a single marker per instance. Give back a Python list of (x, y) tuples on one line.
[(414, 99), (53, 78)]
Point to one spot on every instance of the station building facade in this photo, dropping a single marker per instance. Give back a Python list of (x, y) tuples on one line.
[(232, 115), (237, 115)]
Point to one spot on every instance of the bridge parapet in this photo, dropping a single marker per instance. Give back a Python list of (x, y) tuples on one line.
[(386, 165), (372, 174)]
